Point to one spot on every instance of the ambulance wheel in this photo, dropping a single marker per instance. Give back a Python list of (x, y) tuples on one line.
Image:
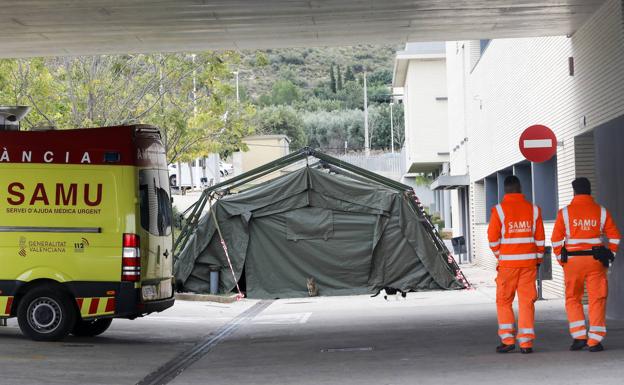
[(91, 328), (45, 314)]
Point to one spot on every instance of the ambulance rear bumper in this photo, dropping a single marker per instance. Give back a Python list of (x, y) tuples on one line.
[(129, 304)]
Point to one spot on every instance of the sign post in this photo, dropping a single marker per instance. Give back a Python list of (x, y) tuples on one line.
[(538, 144)]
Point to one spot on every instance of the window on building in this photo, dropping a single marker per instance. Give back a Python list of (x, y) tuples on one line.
[(491, 195), (545, 190), (539, 185), (500, 180), (523, 171), (483, 44)]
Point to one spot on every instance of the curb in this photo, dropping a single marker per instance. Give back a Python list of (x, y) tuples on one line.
[(223, 298)]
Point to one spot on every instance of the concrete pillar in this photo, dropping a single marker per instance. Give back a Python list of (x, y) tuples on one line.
[(447, 209)]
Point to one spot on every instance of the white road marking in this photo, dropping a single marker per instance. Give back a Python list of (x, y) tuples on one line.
[(538, 143), (282, 319)]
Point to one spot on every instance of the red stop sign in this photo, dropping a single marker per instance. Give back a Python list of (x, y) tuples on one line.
[(538, 143)]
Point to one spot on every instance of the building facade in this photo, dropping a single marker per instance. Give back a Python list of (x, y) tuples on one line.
[(572, 84), (420, 76)]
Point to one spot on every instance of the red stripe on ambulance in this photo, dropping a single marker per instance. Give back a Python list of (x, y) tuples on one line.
[(94, 305), (8, 305)]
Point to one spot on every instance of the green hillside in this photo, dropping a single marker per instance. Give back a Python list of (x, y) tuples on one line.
[(315, 96), (308, 67)]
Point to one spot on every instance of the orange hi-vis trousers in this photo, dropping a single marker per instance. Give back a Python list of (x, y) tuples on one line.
[(578, 271), (508, 281)]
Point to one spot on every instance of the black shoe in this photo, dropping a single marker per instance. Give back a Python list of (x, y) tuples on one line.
[(502, 348), (578, 344), (526, 350), (596, 348)]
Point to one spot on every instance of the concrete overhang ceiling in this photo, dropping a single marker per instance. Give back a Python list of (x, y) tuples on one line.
[(79, 27)]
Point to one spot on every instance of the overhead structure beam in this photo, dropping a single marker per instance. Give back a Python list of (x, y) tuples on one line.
[(71, 27)]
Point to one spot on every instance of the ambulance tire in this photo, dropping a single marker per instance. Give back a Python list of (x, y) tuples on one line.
[(91, 328), (46, 313)]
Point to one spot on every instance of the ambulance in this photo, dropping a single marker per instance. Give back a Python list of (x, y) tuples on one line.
[(85, 228)]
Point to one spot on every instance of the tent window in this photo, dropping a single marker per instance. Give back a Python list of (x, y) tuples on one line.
[(309, 223)]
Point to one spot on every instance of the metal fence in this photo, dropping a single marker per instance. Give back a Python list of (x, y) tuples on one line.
[(386, 164)]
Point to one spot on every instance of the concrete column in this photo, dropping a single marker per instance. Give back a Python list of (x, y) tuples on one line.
[(447, 209)]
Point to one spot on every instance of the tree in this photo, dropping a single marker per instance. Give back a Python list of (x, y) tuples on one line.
[(380, 130), (284, 92), (190, 97), (261, 59), (339, 78), (352, 95), (329, 131), (382, 76), (379, 93), (332, 79), (349, 75), (283, 120)]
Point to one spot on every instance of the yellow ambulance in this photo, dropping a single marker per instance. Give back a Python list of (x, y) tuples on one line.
[(85, 228)]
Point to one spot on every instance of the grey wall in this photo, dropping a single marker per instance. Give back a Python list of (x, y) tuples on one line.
[(609, 145)]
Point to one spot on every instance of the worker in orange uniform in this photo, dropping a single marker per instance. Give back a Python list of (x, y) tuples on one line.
[(580, 250), (516, 236)]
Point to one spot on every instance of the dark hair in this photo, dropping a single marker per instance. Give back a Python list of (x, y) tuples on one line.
[(581, 186), (512, 185)]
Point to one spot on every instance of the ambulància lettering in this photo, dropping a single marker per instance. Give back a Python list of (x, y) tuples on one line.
[(62, 194), (46, 157)]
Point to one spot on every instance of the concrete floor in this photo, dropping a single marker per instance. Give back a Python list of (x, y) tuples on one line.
[(428, 338)]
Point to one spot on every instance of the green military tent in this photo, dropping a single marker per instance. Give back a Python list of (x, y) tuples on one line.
[(354, 232)]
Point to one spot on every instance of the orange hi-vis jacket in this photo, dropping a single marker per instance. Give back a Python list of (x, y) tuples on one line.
[(516, 232), (580, 225)]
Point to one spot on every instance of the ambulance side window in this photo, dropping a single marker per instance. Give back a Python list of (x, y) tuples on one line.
[(155, 206), (164, 213)]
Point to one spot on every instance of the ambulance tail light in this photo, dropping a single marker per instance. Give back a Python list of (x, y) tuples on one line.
[(131, 258)]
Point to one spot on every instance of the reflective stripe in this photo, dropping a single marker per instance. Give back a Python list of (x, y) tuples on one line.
[(501, 216), (539, 243), (614, 241), (566, 221), (516, 241), (494, 244), (594, 336), (505, 326), (598, 329), (506, 335), (557, 244), (535, 214), (576, 241), (576, 324), (497, 253), (517, 257), (526, 331), (524, 339), (558, 257), (579, 333), (603, 218)]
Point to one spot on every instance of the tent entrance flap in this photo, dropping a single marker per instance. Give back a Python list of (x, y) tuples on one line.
[(351, 231)]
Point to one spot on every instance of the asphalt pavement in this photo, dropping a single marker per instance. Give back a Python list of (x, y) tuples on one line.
[(428, 338)]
